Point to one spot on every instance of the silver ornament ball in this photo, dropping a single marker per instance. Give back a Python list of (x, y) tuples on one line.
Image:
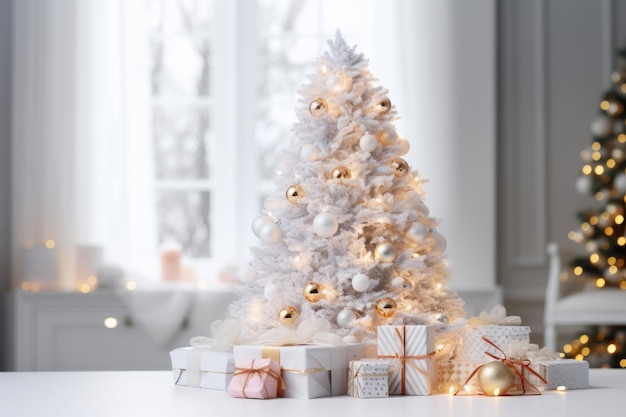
[(416, 232), (345, 317), (270, 233), (259, 222)]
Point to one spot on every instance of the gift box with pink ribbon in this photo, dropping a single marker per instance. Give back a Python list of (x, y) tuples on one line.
[(410, 352), (308, 371), (255, 378)]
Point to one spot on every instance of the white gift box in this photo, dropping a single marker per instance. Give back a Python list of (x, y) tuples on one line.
[(368, 378), (454, 375), (308, 371), (473, 347), (194, 367), (409, 350), (566, 373)]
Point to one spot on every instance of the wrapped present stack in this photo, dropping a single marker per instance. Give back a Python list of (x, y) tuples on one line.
[(350, 265)]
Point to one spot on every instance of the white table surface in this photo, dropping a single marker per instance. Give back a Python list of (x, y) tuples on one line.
[(153, 394)]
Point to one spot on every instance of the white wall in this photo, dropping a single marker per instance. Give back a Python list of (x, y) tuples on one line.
[(555, 59)]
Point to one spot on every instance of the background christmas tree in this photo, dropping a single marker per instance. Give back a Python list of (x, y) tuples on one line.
[(602, 230), (347, 242)]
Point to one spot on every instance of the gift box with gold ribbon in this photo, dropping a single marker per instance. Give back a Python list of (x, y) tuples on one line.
[(308, 371), (368, 378), (410, 352), (196, 367), (255, 378)]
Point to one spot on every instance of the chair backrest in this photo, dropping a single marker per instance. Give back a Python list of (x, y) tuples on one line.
[(561, 280)]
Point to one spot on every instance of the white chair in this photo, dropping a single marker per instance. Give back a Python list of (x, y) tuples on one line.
[(588, 306)]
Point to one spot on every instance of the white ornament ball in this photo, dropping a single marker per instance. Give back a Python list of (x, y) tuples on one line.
[(584, 184), (270, 233), (259, 222), (345, 317), (350, 339), (333, 82), (416, 232), (368, 142), (325, 224), (271, 290), (439, 242), (309, 153), (360, 282), (601, 126), (619, 182), (403, 146), (399, 283), (422, 209)]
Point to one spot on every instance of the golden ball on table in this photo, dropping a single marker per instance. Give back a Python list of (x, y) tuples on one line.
[(294, 193), (495, 378), (385, 253), (312, 292), (386, 307), (318, 107), (400, 167), (288, 316), (341, 173)]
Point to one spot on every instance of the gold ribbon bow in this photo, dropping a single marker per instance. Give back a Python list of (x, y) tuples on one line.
[(513, 364), (259, 372), (407, 360)]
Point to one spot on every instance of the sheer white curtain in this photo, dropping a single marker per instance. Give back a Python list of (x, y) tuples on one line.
[(439, 62), (82, 160)]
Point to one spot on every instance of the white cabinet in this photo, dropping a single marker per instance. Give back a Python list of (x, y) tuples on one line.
[(55, 331)]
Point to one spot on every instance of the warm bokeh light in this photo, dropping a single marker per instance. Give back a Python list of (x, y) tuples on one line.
[(50, 244), (611, 348), (583, 339), (110, 323), (131, 285), (600, 282), (578, 271)]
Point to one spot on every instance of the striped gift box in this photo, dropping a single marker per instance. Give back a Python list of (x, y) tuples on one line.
[(410, 351)]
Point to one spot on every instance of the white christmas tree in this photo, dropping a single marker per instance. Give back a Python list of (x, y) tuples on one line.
[(347, 242)]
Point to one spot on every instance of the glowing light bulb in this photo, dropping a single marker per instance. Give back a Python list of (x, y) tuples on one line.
[(561, 388), (110, 323)]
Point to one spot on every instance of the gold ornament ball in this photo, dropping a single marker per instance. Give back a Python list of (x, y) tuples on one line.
[(386, 307), (383, 106), (318, 107), (288, 316), (385, 253), (495, 378), (294, 193), (312, 292), (341, 173), (400, 167)]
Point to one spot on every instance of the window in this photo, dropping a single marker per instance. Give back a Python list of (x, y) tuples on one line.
[(224, 80)]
